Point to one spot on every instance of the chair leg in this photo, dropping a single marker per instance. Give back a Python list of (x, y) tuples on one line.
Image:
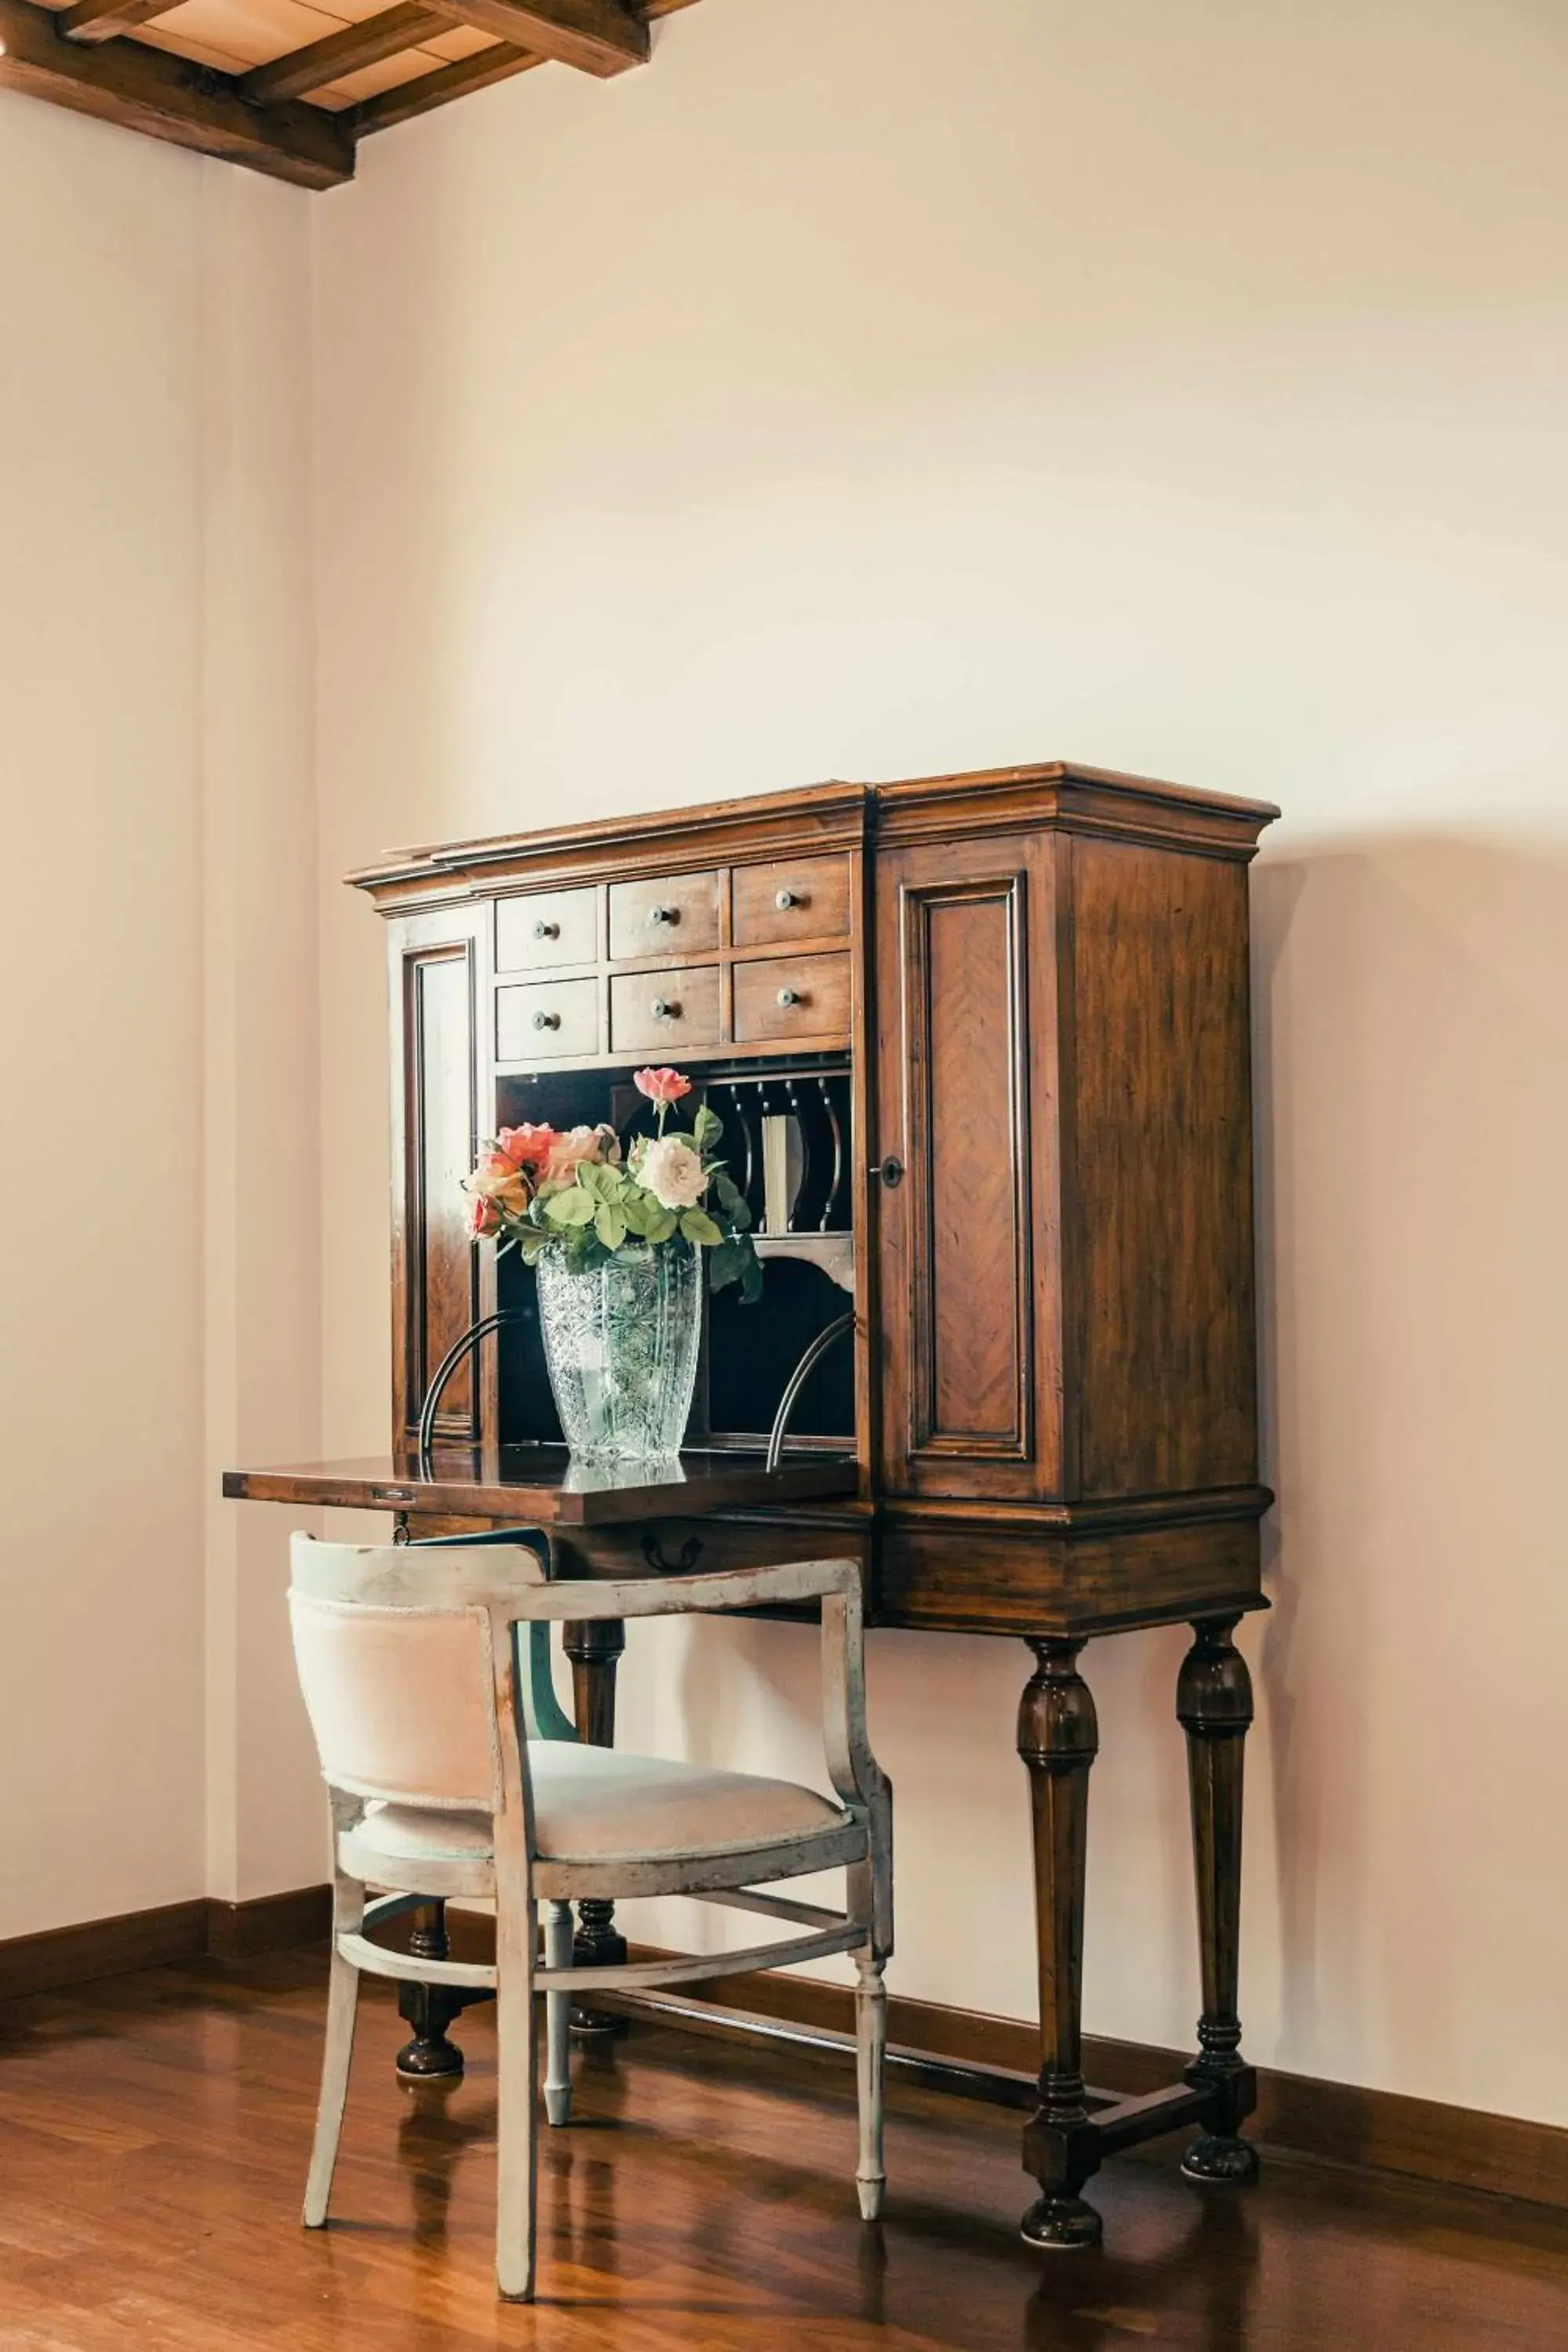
[(870, 2053), (558, 2016), (517, 2098), (342, 1996)]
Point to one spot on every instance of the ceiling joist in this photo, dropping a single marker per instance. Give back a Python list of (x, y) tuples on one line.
[(356, 46), (390, 107), (598, 37), (169, 97), (87, 56), (102, 20)]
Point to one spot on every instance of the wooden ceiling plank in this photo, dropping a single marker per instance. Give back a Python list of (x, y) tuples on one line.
[(169, 97), (599, 36), (364, 44), (390, 107), (103, 20)]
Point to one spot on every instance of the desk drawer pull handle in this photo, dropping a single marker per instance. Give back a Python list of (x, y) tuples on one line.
[(788, 996), (891, 1172), (547, 1021), (664, 914), (665, 1008), (393, 1493), (785, 899), (543, 930)]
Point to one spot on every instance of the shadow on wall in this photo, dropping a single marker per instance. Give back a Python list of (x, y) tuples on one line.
[(1412, 1070)]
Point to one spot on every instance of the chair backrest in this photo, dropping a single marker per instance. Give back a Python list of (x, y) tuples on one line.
[(395, 1661)]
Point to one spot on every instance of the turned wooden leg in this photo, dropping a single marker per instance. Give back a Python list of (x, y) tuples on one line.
[(1214, 1706), (429, 2009), (593, 1648), (1058, 1739)]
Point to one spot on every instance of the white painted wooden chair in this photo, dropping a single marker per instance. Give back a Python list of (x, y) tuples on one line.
[(408, 1663)]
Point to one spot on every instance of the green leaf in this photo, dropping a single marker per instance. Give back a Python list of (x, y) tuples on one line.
[(731, 1200), (725, 1265), (571, 1206), (751, 1280), (661, 1224), (610, 1225), (584, 1250), (698, 1226), (638, 1208), (706, 1130)]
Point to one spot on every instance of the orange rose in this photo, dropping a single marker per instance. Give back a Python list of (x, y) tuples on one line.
[(498, 1181), (526, 1146)]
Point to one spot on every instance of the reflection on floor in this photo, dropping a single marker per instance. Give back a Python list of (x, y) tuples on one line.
[(152, 2142)]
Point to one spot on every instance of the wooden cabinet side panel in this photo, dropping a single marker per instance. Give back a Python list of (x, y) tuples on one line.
[(1159, 1227), (965, 1083), (439, 999)]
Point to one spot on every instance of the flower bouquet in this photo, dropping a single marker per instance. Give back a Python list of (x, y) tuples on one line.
[(618, 1246)]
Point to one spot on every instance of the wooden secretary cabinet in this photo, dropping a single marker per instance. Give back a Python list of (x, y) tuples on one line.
[(981, 1044)]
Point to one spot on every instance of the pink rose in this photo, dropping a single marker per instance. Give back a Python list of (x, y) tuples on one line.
[(484, 1219), (579, 1144), (526, 1146), (661, 1085)]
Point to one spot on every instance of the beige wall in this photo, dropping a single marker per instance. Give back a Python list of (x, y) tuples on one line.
[(100, 1090), (1180, 389), (159, 1152), (1176, 389)]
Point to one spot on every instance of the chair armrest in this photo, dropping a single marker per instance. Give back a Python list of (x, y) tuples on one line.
[(680, 1596)]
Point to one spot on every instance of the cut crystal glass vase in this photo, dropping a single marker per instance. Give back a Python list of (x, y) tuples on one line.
[(621, 1344)]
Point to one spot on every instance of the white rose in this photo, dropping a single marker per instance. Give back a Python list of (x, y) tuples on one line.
[(672, 1172)]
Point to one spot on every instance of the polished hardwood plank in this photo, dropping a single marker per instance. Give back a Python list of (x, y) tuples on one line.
[(153, 2133)]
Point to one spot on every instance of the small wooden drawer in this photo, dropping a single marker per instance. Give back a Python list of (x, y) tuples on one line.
[(546, 928), (550, 1021), (792, 996), (808, 899), (677, 914), (651, 1012)]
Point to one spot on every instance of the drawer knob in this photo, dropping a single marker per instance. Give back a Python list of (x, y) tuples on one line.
[(788, 898), (891, 1172), (664, 914), (547, 1021), (543, 930), (788, 996), (665, 1008)]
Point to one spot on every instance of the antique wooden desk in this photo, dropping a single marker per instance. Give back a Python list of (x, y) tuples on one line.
[(981, 1045)]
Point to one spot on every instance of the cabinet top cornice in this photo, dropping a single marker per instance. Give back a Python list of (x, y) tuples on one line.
[(1046, 794)]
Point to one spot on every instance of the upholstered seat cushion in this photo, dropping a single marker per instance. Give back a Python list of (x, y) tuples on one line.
[(592, 1804)]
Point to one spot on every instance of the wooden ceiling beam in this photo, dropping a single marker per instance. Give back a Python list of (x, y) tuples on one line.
[(390, 107), (102, 20), (364, 44), (599, 36), (169, 97)]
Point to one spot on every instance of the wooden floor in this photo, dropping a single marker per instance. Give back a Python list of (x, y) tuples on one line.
[(152, 2143)]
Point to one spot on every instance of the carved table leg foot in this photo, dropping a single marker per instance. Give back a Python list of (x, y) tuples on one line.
[(593, 1647), (1214, 1706), (1058, 1739), (429, 2008)]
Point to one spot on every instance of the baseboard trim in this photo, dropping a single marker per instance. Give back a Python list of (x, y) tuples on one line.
[(164, 1937), (269, 1923), (1384, 2131), (988, 2057)]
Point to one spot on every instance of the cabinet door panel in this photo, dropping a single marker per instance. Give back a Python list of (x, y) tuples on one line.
[(965, 994), (437, 993)]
